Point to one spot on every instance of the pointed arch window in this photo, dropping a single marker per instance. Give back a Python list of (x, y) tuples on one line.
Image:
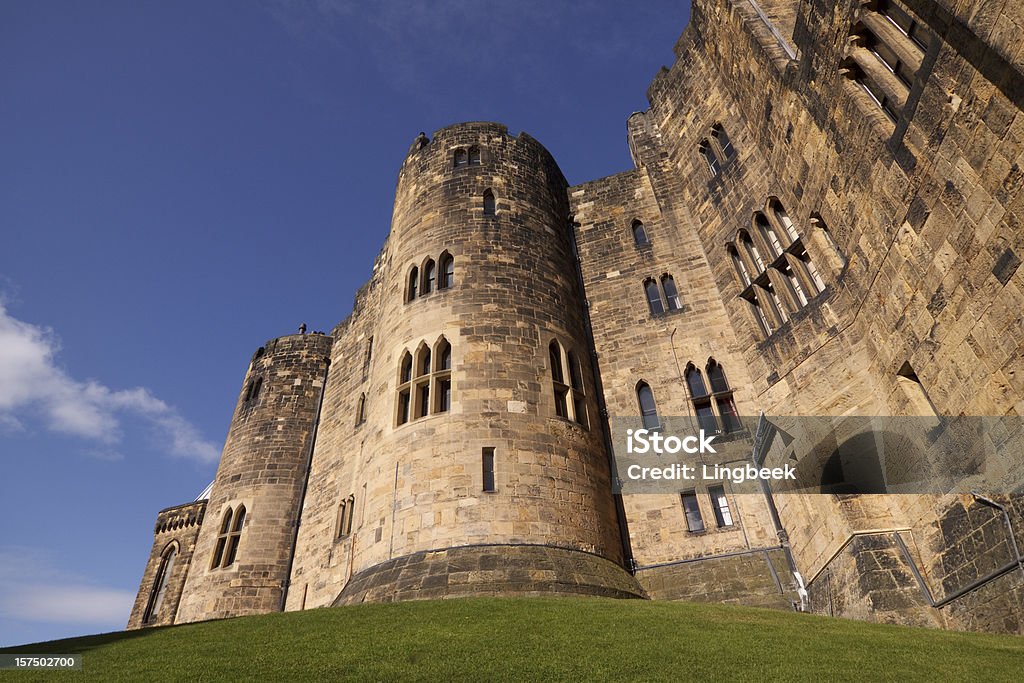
[(160, 582), (559, 387), (741, 268), (579, 403), (783, 220), (714, 168), (413, 287), (768, 236), (489, 205), (474, 156), (671, 293), (724, 144), (751, 251), (421, 390), (429, 276), (648, 408), (653, 295), (404, 388), (361, 409), (721, 392), (640, 234), (226, 550), (346, 511), (700, 399), (443, 376), (446, 266)]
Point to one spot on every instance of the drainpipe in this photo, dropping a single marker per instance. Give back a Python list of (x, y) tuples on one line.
[(305, 486)]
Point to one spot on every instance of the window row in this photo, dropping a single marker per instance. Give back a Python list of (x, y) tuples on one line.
[(424, 382), (467, 157), (715, 410), (570, 399), (430, 276), (226, 550), (770, 258), (662, 295), (719, 505), (887, 47), (718, 153)]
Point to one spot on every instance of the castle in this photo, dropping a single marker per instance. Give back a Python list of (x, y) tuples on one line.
[(824, 219)]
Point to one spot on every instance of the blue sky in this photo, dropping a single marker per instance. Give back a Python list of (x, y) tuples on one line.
[(180, 181)]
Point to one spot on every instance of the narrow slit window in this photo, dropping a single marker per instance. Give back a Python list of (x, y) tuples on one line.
[(414, 280), (488, 470), (222, 539), (489, 206), (429, 275), (235, 537), (559, 387)]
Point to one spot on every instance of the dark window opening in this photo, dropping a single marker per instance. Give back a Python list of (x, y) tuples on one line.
[(488, 470), (691, 508)]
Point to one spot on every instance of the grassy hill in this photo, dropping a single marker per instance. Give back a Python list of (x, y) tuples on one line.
[(537, 639)]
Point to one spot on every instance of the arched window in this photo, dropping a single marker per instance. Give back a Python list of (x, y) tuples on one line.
[(709, 158), (722, 394), (724, 144), (671, 294), (640, 234), (443, 376), (796, 290), (461, 158), (653, 297), (160, 581), (404, 389), (750, 250), (648, 409), (235, 536), (489, 207), (752, 299), (741, 268), (768, 236), (579, 404), (226, 550), (222, 539), (804, 258), (429, 276), (695, 382), (414, 280), (560, 388), (446, 265), (361, 409), (425, 383), (782, 219), (474, 156)]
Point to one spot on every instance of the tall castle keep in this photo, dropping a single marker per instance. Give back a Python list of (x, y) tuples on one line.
[(824, 220)]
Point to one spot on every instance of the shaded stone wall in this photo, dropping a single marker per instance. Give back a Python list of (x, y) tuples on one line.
[(263, 467), (177, 528)]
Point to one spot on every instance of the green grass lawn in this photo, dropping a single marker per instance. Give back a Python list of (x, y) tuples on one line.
[(482, 639)]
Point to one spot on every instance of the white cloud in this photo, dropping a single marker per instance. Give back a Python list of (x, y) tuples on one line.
[(31, 589), (31, 382)]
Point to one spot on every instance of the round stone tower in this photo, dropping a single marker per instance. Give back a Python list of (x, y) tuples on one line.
[(477, 463), (244, 549)]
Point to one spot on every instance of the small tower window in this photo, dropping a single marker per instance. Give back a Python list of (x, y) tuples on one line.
[(488, 470), (443, 377), (361, 410), (235, 537), (648, 409), (579, 404), (640, 234), (461, 158), (414, 279), (489, 207), (474, 156), (447, 270), (429, 276)]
